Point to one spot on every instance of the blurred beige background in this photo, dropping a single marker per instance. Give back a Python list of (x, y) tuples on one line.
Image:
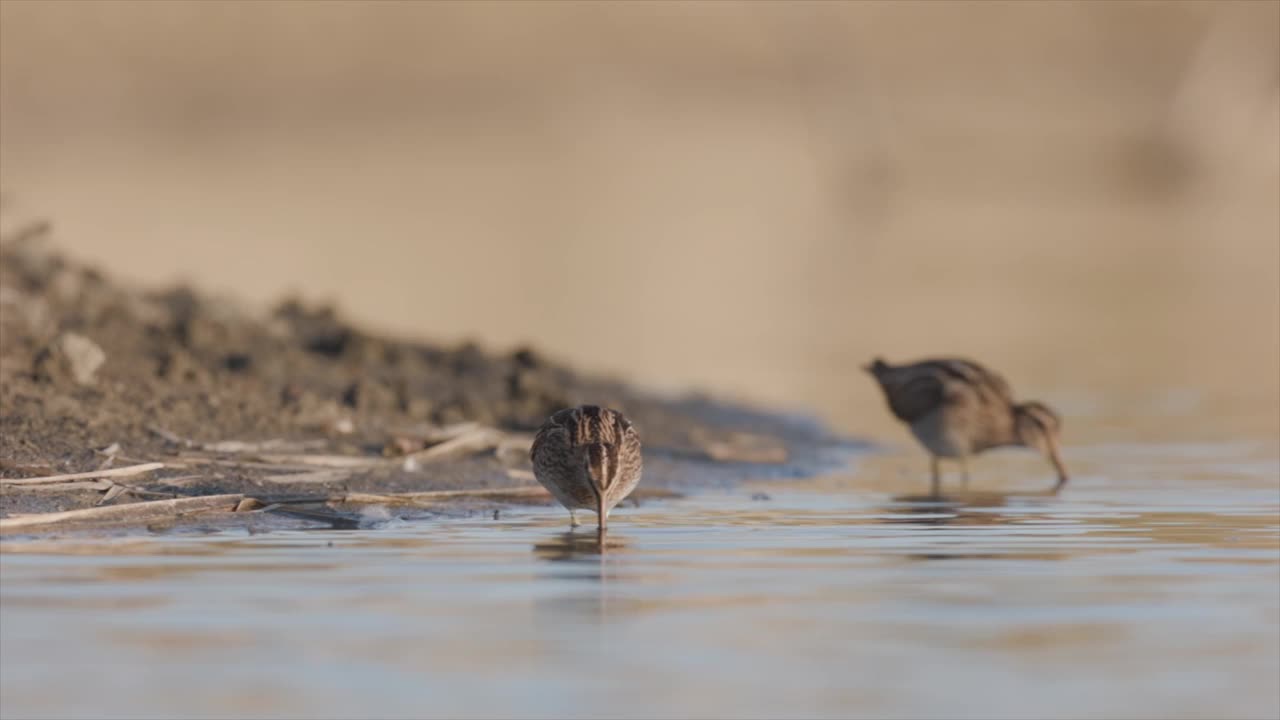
[(751, 198)]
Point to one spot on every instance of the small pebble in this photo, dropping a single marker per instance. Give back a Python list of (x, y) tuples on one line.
[(82, 356)]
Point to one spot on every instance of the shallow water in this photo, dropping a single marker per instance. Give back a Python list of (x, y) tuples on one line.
[(1138, 592)]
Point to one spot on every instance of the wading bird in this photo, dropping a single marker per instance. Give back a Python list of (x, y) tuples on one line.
[(957, 408), (587, 457)]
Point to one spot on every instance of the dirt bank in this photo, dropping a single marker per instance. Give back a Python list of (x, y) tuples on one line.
[(299, 407)]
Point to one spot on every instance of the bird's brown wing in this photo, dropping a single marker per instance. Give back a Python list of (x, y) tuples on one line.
[(988, 384), (552, 438), (913, 391), (631, 459)]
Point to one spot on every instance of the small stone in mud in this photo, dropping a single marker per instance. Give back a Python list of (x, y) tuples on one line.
[(399, 446), (319, 329), (760, 497), (351, 395), (72, 354), (330, 344), (526, 358), (177, 365), (237, 362), (290, 394), (369, 395)]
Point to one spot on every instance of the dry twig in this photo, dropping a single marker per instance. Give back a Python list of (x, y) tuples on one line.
[(133, 512), (113, 472)]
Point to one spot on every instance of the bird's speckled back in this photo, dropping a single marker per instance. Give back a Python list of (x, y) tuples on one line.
[(586, 454)]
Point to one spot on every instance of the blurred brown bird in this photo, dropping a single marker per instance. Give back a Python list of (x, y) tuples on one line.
[(957, 408), (587, 457)]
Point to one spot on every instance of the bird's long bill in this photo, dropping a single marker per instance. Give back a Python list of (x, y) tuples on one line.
[(598, 474), (1055, 457)]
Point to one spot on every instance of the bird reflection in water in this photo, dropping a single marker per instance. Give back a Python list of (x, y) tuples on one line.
[(582, 557), (959, 502), (971, 509), (576, 545)]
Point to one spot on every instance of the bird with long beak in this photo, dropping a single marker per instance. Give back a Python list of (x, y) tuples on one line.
[(957, 408), (587, 457)]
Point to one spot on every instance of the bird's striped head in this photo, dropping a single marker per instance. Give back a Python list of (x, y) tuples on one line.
[(1040, 428), (602, 464)]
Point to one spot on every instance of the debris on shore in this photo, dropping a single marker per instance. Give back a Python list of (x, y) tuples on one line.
[(175, 402)]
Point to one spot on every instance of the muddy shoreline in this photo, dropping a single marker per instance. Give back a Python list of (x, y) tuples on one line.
[(300, 409)]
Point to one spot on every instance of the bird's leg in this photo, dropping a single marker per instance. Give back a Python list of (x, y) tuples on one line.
[(964, 471), (601, 513), (573, 519), (936, 476)]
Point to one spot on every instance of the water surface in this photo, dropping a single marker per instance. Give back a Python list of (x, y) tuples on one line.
[(1149, 588)]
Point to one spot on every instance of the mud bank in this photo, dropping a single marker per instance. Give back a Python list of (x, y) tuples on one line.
[(301, 413)]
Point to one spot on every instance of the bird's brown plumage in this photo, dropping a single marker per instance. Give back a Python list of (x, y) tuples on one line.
[(587, 457), (957, 408)]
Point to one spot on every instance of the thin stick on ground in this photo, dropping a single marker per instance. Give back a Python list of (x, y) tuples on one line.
[(428, 496), (314, 476), (92, 475), (239, 462), (62, 487), (473, 442), (133, 512), (233, 447), (170, 509), (432, 497), (331, 461)]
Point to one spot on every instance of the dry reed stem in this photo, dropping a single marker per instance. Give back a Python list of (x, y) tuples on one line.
[(61, 486), (232, 447), (133, 512), (113, 472), (475, 441), (329, 461), (174, 508), (435, 434), (242, 463)]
